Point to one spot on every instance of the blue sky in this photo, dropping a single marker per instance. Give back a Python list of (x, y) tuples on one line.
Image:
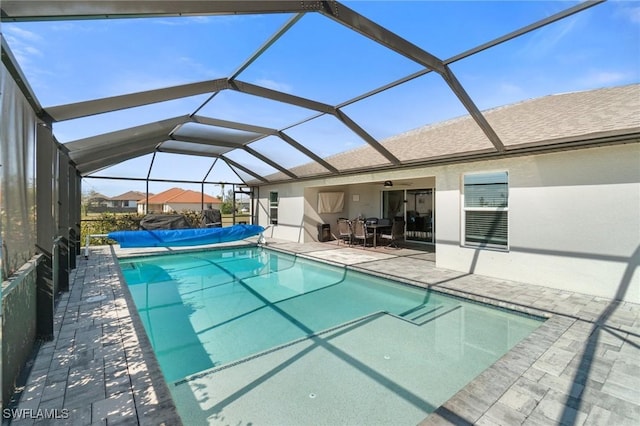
[(66, 62)]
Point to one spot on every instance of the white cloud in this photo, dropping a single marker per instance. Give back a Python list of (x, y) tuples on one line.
[(599, 78), (23, 43), (625, 10), (22, 34), (199, 69), (33, 51), (274, 85), (546, 39), (138, 82), (510, 89), (184, 21), (199, 19), (64, 26), (185, 70), (25, 48), (171, 22), (634, 14)]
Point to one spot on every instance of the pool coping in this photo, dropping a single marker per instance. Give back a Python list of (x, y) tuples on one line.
[(170, 412)]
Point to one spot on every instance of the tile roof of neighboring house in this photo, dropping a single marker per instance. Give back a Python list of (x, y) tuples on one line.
[(130, 195), (179, 195), (549, 120)]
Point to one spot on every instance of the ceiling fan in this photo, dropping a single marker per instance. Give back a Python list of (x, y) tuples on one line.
[(391, 184)]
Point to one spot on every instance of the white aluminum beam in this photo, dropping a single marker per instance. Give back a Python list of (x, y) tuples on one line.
[(356, 22), (38, 10), (131, 100), (274, 95), (234, 125), (316, 106), (158, 127), (233, 164), (269, 162), (206, 141), (96, 164), (379, 34), (297, 145)]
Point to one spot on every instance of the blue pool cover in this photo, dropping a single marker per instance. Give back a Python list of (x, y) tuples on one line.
[(184, 237)]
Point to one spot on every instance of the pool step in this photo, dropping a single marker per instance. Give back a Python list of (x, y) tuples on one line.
[(423, 314), (420, 311)]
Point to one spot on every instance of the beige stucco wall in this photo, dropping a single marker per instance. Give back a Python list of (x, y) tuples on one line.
[(181, 207), (574, 217), (290, 211), (298, 215), (574, 222)]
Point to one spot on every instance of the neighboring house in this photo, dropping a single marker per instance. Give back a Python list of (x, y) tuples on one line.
[(97, 203), (127, 201), (178, 200), (558, 207), (98, 200)]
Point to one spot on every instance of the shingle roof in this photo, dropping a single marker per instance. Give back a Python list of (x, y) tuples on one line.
[(179, 195), (98, 196), (130, 195), (552, 119)]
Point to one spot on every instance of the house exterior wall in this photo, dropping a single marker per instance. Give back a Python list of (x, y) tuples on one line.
[(574, 221), (574, 217), (298, 215), (180, 207), (176, 207), (313, 218), (153, 208), (291, 212)]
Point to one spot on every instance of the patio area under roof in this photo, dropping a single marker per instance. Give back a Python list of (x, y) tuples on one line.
[(279, 105)]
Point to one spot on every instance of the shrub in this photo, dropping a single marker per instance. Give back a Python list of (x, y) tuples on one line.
[(108, 222)]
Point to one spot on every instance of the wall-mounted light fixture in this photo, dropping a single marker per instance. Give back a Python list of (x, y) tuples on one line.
[(388, 184)]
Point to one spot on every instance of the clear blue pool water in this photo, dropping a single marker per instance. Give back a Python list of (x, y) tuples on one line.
[(211, 308)]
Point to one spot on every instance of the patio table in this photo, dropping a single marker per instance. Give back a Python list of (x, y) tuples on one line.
[(374, 227)]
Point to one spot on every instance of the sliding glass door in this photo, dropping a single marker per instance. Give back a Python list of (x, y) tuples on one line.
[(416, 207), (419, 215), (393, 204)]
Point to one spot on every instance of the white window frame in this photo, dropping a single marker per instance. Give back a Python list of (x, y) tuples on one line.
[(466, 209), (273, 207)]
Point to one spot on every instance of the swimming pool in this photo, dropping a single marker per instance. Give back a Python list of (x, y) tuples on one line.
[(232, 328)]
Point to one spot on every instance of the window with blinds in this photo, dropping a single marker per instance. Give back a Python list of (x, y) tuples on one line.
[(486, 209)]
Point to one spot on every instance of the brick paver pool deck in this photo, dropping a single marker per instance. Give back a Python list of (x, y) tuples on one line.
[(581, 367)]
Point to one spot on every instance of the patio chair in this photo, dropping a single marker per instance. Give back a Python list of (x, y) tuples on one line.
[(396, 234), (360, 232), (345, 234)]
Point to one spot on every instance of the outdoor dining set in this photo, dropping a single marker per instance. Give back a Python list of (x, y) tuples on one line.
[(368, 231)]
